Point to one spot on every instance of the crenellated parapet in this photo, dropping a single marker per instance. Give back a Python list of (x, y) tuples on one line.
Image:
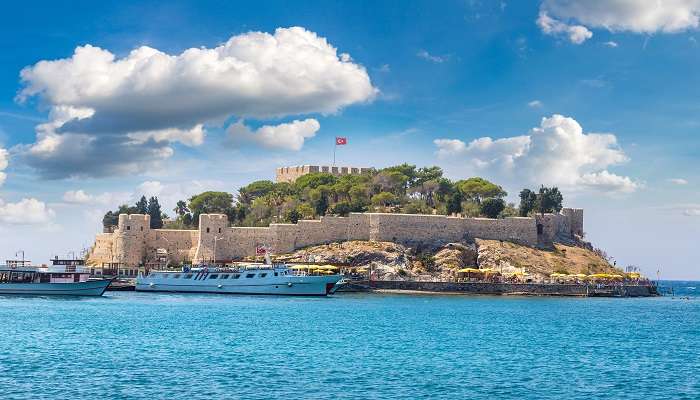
[(290, 174), (134, 243)]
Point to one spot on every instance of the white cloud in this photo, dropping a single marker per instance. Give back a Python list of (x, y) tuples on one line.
[(608, 182), (692, 212), (77, 197), (432, 58), (287, 136), (28, 211), (577, 34), (678, 181), (107, 198), (126, 112), (149, 188), (535, 104), (610, 44), (4, 161), (557, 152), (637, 16)]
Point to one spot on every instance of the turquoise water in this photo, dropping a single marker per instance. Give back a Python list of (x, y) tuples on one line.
[(152, 346)]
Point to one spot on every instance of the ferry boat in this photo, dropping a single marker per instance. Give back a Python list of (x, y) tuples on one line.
[(275, 279), (63, 277)]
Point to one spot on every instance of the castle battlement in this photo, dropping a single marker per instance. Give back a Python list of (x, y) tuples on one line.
[(135, 244), (290, 174)]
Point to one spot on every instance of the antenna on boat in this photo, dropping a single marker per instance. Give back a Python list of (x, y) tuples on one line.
[(20, 251)]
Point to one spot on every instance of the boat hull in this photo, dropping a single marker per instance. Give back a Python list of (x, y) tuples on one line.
[(289, 286), (89, 288)]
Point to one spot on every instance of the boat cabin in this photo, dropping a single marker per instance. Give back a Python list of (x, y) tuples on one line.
[(22, 272)]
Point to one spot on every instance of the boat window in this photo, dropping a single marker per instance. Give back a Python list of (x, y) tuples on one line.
[(236, 276), (213, 276), (250, 275), (276, 273), (263, 275), (188, 276), (176, 276), (224, 276)]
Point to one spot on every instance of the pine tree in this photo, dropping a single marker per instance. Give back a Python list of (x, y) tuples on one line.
[(142, 206), (155, 213)]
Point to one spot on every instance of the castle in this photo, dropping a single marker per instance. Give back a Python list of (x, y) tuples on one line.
[(290, 174), (134, 244)]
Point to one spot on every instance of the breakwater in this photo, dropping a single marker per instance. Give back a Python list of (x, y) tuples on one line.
[(530, 289)]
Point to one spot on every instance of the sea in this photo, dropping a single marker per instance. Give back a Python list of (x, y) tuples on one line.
[(130, 345)]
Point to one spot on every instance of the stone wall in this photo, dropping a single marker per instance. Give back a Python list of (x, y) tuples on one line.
[(290, 174), (134, 243)]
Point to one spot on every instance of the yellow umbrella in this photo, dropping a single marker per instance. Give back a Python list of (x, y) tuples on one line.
[(469, 270), (328, 267), (299, 267)]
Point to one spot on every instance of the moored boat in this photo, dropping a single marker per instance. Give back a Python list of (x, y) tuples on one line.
[(276, 279), (60, 278)]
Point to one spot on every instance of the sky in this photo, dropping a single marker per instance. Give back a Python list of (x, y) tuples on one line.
[(102, 102)]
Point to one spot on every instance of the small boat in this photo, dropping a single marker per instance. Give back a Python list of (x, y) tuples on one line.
[(60, 278), (274, 279)]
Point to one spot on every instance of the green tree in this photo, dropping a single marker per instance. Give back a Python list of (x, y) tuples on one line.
[(454, 203), (181, 208), (248, 193), (427, 174), (155, 212), (142, 206), (384, 199), (491, 207), (528, 202), (210, 203), (477, 189), (293, 216), (549, 200), (341, 208), (314, 180), (110, 220)]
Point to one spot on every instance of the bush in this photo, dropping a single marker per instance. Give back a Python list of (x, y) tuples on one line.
[(492, 207)]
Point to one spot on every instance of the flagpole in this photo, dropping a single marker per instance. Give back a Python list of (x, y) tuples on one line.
[(335, 146)]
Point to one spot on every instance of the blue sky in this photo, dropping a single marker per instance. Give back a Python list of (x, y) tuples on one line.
[(598, 97)]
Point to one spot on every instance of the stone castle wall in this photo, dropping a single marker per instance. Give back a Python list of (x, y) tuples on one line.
[(134, 243), (290, 174)]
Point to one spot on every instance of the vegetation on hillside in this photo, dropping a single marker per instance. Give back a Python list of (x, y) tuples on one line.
[(398, 189)]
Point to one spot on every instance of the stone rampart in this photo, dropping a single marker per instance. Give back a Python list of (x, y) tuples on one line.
[(134, 243), (290, 174)]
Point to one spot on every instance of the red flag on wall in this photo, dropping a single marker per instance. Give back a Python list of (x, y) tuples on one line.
[(260, 250), (341, 141)]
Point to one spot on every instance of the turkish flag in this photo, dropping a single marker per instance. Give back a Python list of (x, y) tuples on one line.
[(340, 141), (260, 250)]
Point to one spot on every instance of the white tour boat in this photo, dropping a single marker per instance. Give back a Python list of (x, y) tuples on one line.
[(63, 277), (276, 279)]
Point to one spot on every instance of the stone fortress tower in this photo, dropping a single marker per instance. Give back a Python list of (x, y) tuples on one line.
[(290, 174), (131, 238)]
